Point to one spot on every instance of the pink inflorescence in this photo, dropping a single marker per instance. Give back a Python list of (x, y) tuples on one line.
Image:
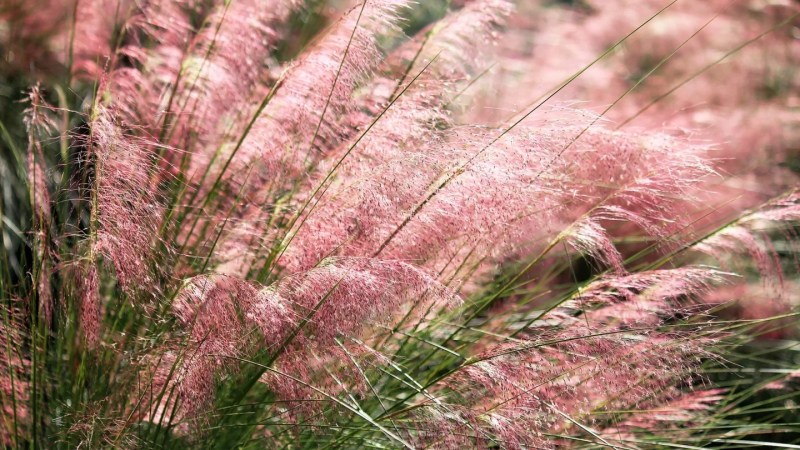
[(293, 220)]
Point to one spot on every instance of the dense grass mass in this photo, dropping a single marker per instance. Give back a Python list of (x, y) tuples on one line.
[(395, 224)]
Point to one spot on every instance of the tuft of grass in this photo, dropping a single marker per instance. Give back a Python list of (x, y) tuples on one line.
[(230, 224)]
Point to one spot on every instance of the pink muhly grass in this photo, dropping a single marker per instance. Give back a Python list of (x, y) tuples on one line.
[(686, 409), (552, 378), (341, 294), (771, 307), (757, 129), (335, 251), (90, 35), (14, 379), (126, 210), (475, 26), (747, 236), (90, 308), (653, 286), (140, 88), (37, 123), (222, 70), (738, 239), (300, 124), (336, 298), (210, 309), (552, 388), (541, 188), (396, 137)]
